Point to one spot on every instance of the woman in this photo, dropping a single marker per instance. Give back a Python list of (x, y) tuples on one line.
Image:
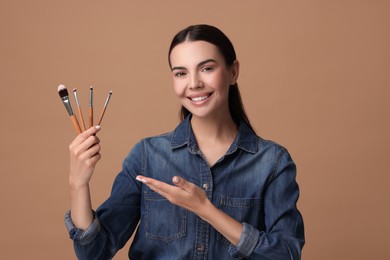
[(210, 189)]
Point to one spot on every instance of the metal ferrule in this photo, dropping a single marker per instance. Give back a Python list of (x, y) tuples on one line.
[(76, 98), (108, 99), (90, 97), (67, 105)]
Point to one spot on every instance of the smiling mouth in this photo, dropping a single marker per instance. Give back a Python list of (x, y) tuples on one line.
[(199, 98)]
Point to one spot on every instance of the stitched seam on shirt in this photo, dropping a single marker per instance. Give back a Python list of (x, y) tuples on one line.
[(143, 158), (276, 165)]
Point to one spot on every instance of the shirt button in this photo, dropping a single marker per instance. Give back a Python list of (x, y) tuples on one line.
[(205, 186), (200, 248)]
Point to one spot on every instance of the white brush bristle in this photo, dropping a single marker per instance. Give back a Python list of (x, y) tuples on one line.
[(61, 87)]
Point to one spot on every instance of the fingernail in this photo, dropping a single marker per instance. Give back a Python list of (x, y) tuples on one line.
[(97, 127), (176, 179), (138, 178)]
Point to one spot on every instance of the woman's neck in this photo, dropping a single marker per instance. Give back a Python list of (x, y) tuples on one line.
[(214, 136), (214, 129)]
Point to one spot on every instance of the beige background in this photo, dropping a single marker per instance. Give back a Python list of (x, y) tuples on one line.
[(314, 77)]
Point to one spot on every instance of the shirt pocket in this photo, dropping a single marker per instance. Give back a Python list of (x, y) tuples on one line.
[(248, 210), (163, 220)]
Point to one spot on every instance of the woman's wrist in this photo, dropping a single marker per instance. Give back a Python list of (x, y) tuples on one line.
[(230, 228), (77, 185), (206, 211)]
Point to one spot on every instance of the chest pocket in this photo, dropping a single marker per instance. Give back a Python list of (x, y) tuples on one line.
[(249, 210), (163, 221)]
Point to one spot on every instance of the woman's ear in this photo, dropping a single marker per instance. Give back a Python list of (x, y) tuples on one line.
[(235, 69)]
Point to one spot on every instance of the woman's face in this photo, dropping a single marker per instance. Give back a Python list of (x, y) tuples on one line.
[(201, 78)]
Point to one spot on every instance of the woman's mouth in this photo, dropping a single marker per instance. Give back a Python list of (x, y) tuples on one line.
[(199, 98)]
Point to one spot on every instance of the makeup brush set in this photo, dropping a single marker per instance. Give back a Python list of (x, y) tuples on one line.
[(64, 95)]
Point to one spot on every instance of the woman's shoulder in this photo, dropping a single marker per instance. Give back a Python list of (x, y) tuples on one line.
[(156, 142), (250, 140), (269, 143), (159, 140), (270, 146)]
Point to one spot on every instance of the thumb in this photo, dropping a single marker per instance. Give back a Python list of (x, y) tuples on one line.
[(85, 135), (182, 183), (90, 131)]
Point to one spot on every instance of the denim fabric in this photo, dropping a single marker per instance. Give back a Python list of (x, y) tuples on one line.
[(254, 182)]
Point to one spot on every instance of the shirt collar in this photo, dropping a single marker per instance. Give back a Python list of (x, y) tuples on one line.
[(246, 139)]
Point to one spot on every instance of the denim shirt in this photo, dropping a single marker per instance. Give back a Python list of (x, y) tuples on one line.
[(254, 183)]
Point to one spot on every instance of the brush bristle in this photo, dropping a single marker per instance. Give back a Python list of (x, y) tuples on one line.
[(62, 91)]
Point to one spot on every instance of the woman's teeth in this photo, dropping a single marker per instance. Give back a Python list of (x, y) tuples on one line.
[(199, 98)]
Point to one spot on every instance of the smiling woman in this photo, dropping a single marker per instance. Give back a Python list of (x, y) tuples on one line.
[(219, 41), (210, 189), (201, 79)]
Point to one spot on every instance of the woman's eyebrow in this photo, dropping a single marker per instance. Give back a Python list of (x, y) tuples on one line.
[(206, 61), (178, 68), (199, 65)]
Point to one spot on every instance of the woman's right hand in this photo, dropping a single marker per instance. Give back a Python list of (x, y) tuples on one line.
[(84, 154)]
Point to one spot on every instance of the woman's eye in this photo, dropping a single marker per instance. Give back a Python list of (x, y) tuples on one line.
[(205, 69), (180, 74)]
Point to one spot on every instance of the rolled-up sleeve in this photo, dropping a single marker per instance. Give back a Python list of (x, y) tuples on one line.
[(246, 245), (80, 236)]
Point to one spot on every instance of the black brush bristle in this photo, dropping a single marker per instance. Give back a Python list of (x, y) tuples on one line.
[(62, 91)]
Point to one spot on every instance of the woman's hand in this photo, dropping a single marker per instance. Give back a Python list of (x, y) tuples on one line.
[(184, 194), (84, 154), (189, 196)]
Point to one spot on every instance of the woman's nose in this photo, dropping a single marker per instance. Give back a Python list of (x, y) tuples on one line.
[(195, 82)]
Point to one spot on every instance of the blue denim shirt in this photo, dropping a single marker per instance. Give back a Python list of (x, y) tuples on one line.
[(254, 183)]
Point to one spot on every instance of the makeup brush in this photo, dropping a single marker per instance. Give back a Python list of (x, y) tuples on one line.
[(91, 106), (79, 110), (105, 107), (63, 92)]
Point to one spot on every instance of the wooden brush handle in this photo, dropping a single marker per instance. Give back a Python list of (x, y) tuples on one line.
[(81, 119), (101, 116), (90, 117), (76, 124)]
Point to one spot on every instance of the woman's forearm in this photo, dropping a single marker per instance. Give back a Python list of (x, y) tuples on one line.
[(230, 228), (81, 206)]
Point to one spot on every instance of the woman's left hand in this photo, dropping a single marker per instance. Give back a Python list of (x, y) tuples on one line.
[(184, 194)]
